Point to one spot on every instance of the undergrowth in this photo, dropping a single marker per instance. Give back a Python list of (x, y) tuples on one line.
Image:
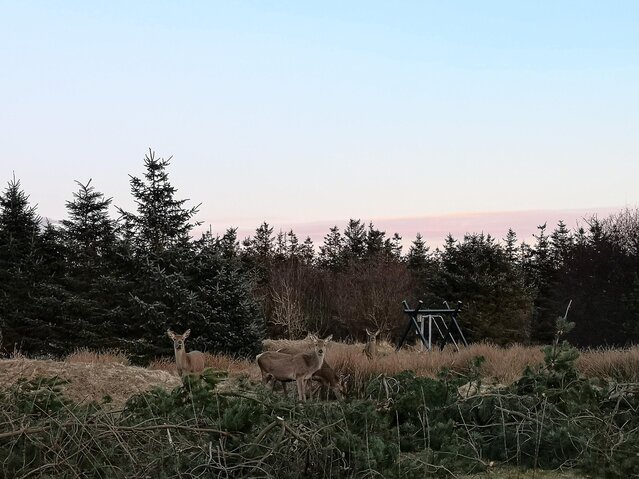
[(405, 426)]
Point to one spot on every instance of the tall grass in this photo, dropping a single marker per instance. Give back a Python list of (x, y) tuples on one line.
[(502, 365), (85, 355), (618, 364)]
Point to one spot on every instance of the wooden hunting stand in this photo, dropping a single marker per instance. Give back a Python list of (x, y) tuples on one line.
[(437, 317)]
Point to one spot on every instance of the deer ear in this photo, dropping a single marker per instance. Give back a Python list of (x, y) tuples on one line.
[(170, 334), (328, 338), (368, 332), (312, 337), (186, 334), (378, 331)]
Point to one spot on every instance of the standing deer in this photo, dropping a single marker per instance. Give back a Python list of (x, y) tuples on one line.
[(187, 363), (371, 344), (325, 376), (298, 367)]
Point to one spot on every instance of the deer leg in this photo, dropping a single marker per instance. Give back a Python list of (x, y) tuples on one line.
[(283, 383), (300, 389)]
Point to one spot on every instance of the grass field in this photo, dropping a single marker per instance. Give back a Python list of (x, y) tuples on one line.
[(107, 378), (93, 375)]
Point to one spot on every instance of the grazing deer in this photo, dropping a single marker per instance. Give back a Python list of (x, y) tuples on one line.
[(298, 367), (329, 380), (187, 363), (325, 376), (371, 344)]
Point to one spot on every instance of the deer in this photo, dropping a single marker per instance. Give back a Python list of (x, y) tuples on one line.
[(187, 363), (371, 344), (329, 380), (325, 376), (298, 367)]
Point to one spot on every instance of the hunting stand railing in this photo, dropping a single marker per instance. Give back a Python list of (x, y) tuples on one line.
[(438, 317)]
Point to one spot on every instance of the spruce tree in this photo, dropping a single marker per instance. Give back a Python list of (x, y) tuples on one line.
[(355, 240), (92, 282), (374, 242), (476, 271), (89, 231), (307, 251), (543, 280), (417, 257), (162, 221), (510, 246), (393, 247), (24, 280), (561, 245), (293, 245), (331, 255), (156, 264), (228, 244), (19, 224), (281, 250)]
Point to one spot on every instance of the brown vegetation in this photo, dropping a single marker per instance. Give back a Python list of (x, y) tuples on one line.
[(94, 375), (89, 381), (85, 355)]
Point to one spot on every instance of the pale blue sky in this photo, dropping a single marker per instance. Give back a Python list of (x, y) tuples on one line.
[(297, 112)]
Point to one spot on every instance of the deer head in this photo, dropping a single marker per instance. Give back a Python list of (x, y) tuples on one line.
[(320, 344), (178, 339)]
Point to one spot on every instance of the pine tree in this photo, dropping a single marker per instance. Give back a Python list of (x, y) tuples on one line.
[(331, 254), (222, 312), (544, 278), (228, 244), (281, 249), (156, 263), (354, 240), (374, 241), (417, 257), (89, 245), (19, 224), (393, 247), (89, 231), (510, 247), (293, 245), (307, 251), (561, 242), (162, 222), (22, 274), (261, 246), (476, 271)]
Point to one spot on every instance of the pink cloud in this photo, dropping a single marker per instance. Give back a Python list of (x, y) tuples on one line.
[(435, 228)]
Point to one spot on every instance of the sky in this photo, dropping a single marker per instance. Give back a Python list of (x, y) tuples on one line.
[(422, 116)]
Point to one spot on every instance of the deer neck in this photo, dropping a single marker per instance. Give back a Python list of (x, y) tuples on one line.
[(318, 359), (181, 358)]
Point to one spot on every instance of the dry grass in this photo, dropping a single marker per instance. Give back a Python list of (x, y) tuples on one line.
[(217, 362), (85, 355), (618, 364), (88, 381), (94, 375), (502, 365)]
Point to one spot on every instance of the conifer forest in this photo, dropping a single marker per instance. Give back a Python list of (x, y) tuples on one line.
[(106, 279), (100, 281)]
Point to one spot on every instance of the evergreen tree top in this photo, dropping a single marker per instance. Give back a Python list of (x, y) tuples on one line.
[(162, 221)]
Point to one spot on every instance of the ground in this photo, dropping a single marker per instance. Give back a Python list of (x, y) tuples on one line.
[(89, 381)]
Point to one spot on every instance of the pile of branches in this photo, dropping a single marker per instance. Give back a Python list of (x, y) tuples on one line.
[(192, 431)]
